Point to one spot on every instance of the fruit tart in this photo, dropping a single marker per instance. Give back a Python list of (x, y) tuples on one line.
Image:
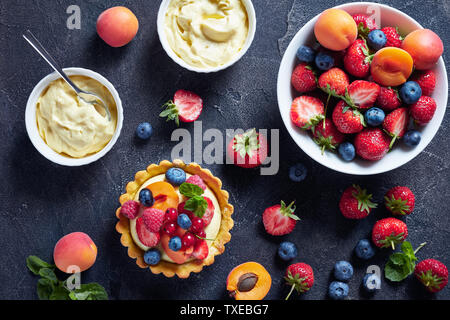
[(174, 218)]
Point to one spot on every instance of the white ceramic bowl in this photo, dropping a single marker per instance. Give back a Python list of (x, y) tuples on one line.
[(31, 124), (400, 154), (165, 44)]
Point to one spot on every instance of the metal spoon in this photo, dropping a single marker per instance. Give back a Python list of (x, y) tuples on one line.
[(86, 96)]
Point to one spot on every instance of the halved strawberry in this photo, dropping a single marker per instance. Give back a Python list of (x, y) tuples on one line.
[(363, 94), (201, 249), (186, 106), (396, 124), (307, 111), (209, 213), (280, 219), (148, 238), (247, 150)]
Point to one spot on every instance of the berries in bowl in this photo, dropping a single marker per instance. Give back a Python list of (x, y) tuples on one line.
[(383, 101)]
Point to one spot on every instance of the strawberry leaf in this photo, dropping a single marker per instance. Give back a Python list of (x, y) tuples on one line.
[(171, 112)]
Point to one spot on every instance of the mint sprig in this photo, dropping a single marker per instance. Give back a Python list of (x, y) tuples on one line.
[(401, 264), (196, 203), (49, 287), (190, 190)]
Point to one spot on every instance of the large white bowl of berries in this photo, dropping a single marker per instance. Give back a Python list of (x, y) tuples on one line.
[(374, 97)]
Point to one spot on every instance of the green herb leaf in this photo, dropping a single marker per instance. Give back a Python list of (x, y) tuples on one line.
[(44, 289), (401, 264), (49, 274), (91, 291), (197, 205), (35, 264), (60, 293), (190, 190)]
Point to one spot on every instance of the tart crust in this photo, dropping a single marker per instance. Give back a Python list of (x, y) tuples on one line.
[(216, 248)]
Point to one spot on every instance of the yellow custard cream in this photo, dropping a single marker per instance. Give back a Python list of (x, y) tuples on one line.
[(206, 33), (71, 126)]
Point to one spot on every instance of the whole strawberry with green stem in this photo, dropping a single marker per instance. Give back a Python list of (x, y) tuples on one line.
[(357, 59), (389, 232), (303, 78), (299, 276), (393, 37), (400, 200), (334, 82), (347, 119), (432, 273), (388, 99), (327, 136), (355, 203)]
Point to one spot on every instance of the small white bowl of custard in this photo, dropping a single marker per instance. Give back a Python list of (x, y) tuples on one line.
[(66, 130)]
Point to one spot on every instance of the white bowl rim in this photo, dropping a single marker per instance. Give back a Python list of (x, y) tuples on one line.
[(166, 46), (31, 125), (344, 167)]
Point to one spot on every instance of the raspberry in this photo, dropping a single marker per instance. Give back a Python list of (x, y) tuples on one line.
[(197, 181), (130, 209), (153, 219)]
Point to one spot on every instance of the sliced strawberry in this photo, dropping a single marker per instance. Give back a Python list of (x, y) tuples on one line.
[(186, 106), (247, 150), (201, 250), (209, 213), (148, 238), (307, 111), (396, 124), (280, 219), (363, 94)]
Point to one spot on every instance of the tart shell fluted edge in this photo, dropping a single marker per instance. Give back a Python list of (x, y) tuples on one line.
[(217, 247)]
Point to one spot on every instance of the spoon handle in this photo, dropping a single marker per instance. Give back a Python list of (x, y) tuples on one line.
[(47, 57)]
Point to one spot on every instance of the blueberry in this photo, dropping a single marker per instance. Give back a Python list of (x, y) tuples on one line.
[(377, 39), (152, 257), (364, 249), (146, 197), (412, 138), (374, 116), (144, 130), (347, 151), (287, 251), (184, 221), (343, 270), (298, 172), (324, 61), (306, 54), (338, 290), (371, 282), (176, 176), (175, 243), (410, 92)]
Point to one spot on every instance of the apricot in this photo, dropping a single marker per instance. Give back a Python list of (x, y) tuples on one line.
[(117, 26), (249, 281), (335, 29), (164, 194), (74, 249), (391, 66), (425, 47)]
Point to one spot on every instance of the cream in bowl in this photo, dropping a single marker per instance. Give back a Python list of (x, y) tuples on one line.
[(70, 126)]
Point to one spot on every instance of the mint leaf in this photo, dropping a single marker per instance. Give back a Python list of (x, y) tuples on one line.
[(197, 205), (44, 289), (90, 291), (35, 264), (190, 190), (49, 274), (60, 293), (401, 264)]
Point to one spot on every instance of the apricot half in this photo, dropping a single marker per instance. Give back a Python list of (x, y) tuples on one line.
[(425, 47), (117, 26), (335, 29), (164, 194), (75, 252), (249, 281), (391, 66)]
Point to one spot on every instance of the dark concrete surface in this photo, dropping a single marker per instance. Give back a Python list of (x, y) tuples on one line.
[(41, 201)]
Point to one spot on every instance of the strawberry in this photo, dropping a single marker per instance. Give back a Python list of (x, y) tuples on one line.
[(209, 213), (153, 219), (363, 94), (365, 24), (280, 220), (432, 273), (389, 232), (426, 81), (355, 203), (195, 179), (393, 38), (388, 99), (400, 200), (186, 106), (201, 249), (306, 112), (423, 110), (396, 124), (303, 78), (357, 59), (372, 144), (347, 119), (334, 82), (148, 238), (130, 209), (327, 136), (299, 276), (248, 150)]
